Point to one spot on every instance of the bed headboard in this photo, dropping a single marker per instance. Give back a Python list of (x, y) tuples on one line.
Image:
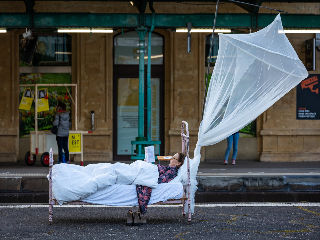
[(185, 138), (185, 150)]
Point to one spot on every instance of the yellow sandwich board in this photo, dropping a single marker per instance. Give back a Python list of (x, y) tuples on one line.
[(74, 142)]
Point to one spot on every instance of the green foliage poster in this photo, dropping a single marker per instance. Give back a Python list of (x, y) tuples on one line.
[(55, 94)]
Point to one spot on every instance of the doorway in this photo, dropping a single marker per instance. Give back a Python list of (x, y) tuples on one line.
[(126, 92)]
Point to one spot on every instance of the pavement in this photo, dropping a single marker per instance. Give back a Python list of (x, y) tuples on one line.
[(246, 181), (243, 167), (259, 168), (232, 222)]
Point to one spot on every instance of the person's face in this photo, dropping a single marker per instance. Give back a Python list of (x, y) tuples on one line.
[(175, 160)]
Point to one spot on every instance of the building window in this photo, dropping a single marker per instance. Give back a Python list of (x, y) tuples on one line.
[(43, 59), (126, 91), (214, 50), (45, 50), (126, 49)]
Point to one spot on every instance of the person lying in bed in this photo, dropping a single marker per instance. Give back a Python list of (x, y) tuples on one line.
[(166, 174)]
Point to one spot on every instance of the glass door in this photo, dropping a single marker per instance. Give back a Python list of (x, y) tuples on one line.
[(127, 113), (126, 91)]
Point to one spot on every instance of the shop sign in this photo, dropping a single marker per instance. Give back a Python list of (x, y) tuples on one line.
[(75, 142), (26, 100), (43, 103), (308, 98)]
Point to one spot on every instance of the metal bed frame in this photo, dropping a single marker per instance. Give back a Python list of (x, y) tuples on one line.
[(186, 188)]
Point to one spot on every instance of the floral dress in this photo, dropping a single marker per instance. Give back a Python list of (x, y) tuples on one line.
[(166, 174)]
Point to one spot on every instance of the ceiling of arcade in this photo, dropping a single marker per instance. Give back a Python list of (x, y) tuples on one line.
[(160, 6), (40, 14)]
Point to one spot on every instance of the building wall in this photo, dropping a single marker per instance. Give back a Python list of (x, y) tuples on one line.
[(283, 137), (280, 137), (92, 70), (187, 81), (9, 119)]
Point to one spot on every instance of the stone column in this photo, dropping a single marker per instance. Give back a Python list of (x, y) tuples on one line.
[(9, 96), (92, 70)]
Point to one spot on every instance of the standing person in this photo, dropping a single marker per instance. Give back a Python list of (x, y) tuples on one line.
[(232, 138), (61, 120)]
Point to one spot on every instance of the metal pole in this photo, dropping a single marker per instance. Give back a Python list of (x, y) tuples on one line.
[(209, 56), (189, 26), (142, 33), (149, 106), (76, 108), (81, 138), (36, 117)]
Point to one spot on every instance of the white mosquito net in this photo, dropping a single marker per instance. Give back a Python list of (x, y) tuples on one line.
[(252, 72)]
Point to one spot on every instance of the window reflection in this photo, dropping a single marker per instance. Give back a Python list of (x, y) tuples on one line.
[(126, 49), (45, 50), (214, 50)]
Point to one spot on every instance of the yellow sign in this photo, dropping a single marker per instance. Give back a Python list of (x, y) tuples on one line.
[(43, 103), (74, 142), (26, 101)]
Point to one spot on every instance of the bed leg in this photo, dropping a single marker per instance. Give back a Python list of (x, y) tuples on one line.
[(50, 213), (183, 203), (183, 206), (50, 186), (189, 211)]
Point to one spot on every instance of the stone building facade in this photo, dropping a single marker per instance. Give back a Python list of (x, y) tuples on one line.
[(280, 136)]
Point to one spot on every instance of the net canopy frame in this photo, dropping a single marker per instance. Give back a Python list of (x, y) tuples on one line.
[(252, 72)]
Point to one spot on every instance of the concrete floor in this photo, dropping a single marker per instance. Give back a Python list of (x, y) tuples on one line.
[(242, 167), (209, 222)]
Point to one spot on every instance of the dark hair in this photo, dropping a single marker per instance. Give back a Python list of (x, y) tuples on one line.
[(181, 159), (62, 105)]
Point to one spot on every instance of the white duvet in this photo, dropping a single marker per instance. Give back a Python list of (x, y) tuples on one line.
[(72, 182), (126, 195)]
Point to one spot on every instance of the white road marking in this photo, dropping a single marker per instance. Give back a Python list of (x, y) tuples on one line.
[(20, 175), (209, 174), (258, 174), (258, 204), (210, 205)]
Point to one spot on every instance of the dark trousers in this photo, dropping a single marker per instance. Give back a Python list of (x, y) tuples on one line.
[(63, 144)]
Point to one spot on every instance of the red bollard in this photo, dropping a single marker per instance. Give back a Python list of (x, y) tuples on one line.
[(81, 163)]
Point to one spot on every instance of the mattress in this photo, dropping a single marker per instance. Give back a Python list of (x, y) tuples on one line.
[(126, 195)]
